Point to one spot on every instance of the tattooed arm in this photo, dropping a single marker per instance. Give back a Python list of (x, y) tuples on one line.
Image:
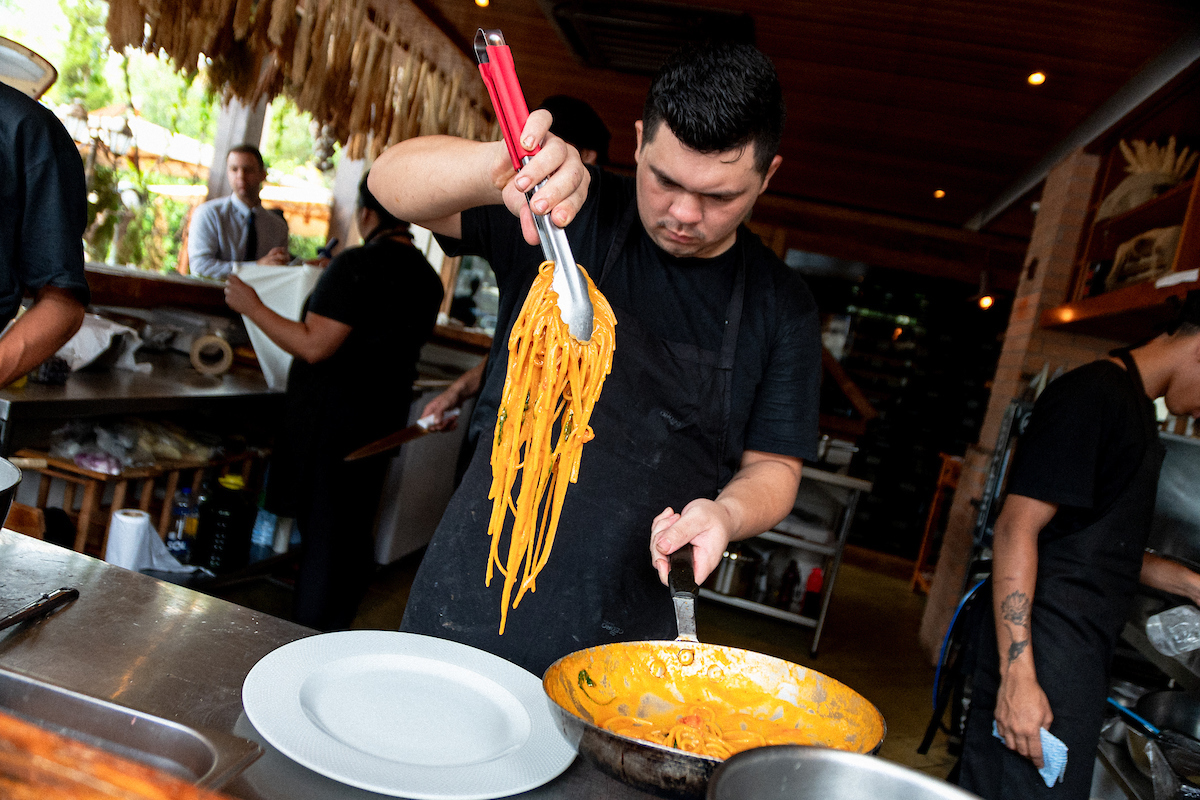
[(1021, 705)]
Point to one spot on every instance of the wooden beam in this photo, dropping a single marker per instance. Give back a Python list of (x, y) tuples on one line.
[(891, 242)]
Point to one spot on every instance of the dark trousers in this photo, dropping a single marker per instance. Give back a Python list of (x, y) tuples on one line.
[(336, 519)]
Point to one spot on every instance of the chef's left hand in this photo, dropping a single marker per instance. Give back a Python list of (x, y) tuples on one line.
[(703, 524), (240, 296)]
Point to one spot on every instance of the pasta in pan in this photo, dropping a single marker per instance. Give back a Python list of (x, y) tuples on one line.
[(551, 386), (702, 730)]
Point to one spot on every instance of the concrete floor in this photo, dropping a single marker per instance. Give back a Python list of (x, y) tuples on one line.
[(869, 643)]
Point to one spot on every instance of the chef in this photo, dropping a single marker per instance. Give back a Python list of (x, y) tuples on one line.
[(711, 405), (43, 195), (1068, 554)]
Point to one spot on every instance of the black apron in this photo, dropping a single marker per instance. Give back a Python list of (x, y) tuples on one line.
[(661, 435), (1085, 584)]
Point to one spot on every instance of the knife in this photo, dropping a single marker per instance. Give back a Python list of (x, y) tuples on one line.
[(394, 440), (43, 605)]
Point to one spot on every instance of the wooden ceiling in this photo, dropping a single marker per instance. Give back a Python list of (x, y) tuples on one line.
[(888, 101)]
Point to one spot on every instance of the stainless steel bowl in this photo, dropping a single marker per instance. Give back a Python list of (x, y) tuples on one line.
[(1168, 709), (10, 478), (793, 772)]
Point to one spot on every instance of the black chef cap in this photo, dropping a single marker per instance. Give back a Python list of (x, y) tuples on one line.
[(577, 123), (1188, 318)]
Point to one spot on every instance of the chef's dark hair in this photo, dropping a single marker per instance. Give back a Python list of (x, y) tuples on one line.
[(249, 149), (1187, 321), (367, 200), (577, 123), (718, 96)]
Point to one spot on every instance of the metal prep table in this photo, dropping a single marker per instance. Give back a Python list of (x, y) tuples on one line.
[(28, 414), (181, 655)]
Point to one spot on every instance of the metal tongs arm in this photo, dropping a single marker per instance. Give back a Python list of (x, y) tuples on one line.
[(500, 77)]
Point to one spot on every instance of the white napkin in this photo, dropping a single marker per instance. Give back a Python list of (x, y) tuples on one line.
[(133, 543), (283, 290)]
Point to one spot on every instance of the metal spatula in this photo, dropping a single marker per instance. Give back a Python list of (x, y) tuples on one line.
[(500, 77)]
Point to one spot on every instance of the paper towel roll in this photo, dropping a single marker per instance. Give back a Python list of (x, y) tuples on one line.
[(133, 543), (211, 355), (129, 535)]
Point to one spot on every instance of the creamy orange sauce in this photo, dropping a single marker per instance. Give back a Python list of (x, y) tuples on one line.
[(711, 700)]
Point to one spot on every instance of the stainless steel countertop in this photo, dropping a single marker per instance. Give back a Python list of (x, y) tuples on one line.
[(171, 380), (180, 655)]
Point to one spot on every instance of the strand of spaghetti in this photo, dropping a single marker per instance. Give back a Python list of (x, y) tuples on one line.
[(551, 384)]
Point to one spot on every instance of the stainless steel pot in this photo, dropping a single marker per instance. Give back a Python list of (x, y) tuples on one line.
[(791, 772), (1168, 710), (10, 478)]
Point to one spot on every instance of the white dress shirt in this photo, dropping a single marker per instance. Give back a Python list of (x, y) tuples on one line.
[(217, 236)]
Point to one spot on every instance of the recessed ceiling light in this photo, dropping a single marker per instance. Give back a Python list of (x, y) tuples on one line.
[(939, 193), (1036, 78), (481, 3)]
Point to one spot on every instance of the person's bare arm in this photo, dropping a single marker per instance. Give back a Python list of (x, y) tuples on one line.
[(48, 324), (760, 494), (1170, 576), (466, 386), (1021, 706), (430, 180), (313, 339)]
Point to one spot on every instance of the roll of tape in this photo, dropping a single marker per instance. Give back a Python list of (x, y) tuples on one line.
[(211, 355)]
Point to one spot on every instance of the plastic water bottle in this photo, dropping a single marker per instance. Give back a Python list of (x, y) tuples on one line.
[(1175, 631), (184, 522)]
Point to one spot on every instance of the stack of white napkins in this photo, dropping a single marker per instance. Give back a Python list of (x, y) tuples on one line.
[(1054, 756)]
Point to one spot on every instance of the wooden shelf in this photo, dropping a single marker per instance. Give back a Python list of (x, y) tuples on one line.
[(1163, 211), (1128, 315)]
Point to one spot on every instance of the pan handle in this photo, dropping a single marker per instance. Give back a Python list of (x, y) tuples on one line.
[(1138, 720), (682, 576)]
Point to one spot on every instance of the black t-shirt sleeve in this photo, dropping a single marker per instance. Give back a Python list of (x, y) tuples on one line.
[(51, 251), (335, 293), (784, 416), (1078, 443)]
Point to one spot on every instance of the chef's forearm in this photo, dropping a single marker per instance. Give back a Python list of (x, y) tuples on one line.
[(1170, 576), (48, 324), (761, 493), (429, 180), (1014, 578), (305, 340)]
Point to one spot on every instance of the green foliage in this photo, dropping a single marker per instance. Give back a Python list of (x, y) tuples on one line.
[(305, 247), (103, 203), (181, 103), (289, 140), (81, 71)]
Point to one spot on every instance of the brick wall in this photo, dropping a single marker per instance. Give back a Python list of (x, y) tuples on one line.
[(1045, 283)]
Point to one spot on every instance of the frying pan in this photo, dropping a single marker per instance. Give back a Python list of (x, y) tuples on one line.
[(589, 686)]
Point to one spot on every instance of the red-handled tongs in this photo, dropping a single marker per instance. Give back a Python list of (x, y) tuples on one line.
[(500, 77)]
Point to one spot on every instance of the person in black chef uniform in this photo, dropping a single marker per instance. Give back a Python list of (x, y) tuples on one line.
[(355, 359), (1068, 555), (43, 211), (711, 406)]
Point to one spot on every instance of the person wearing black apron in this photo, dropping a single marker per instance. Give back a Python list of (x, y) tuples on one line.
[(716, 365), (1080, 502)]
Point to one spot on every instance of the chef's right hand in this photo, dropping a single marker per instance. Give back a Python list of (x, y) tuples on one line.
[(558, 162), (1022, 710)]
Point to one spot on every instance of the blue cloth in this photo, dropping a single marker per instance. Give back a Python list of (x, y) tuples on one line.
[(1054, 756)]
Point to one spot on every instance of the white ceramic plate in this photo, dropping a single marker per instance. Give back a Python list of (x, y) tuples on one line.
[(406, 715)]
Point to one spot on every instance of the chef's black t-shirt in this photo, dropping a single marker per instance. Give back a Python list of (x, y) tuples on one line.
[(777, 372), (1084, 442), (43, 204)]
